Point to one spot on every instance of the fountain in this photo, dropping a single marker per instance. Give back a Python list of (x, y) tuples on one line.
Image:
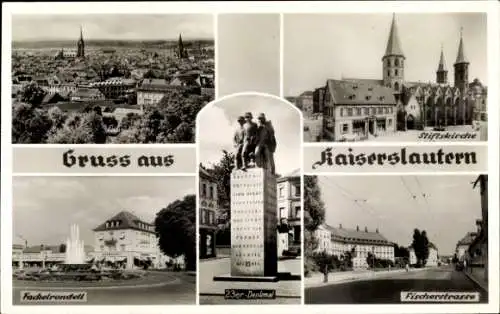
[(75, 252)]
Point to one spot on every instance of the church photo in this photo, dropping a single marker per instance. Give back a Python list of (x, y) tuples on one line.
[(383, 77)]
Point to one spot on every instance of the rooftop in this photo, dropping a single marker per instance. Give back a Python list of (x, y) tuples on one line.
[(358, 92), (126, 220), (357, 235)]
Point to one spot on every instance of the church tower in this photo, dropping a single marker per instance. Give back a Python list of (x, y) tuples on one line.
[(393, 60), (81, 45), (461, 68), (442, 72), (181, 50)]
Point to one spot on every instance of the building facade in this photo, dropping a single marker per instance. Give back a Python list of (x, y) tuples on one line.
[(115, 87), (359, 244), (478, 249), (358, 108), (462, 246), (208, 204), (289, 211)]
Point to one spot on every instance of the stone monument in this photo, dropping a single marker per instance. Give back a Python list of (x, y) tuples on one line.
[(254, 255), (253, 223)]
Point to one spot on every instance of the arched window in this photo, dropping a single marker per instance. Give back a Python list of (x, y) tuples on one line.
[(396, 72), (388, 72), (396, 62), (388, 62), (396, 86)]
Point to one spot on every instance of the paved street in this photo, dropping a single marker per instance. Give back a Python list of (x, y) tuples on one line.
[(179, 288), (212, 292), (387, 289)]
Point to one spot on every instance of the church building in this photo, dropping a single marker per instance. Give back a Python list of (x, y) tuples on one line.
[(357, 109)]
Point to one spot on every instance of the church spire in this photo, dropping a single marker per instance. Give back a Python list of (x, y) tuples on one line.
[(442, 62), (81, 33), (461, 55), (393, 43), (442, 72)]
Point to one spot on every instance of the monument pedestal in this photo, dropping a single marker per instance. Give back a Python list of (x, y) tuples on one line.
[(253, 226)]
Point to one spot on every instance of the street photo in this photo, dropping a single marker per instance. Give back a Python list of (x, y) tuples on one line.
[(110, 78), (249, 201), (403, 77), (104, 241), (396, 239)]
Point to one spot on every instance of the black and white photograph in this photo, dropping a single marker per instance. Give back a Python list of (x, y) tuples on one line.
[(110, 78), (104, 241), (396, 239), (388, 77), (250, 227)]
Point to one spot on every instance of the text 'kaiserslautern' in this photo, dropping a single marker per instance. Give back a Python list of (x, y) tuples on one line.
[(401, 157)]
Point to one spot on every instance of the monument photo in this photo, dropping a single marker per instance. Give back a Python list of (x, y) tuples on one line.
[(249, 201), (103, 241)]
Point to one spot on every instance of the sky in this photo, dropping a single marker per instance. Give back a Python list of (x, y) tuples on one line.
[(112, 26), (450, 211), (248, 53), (44, 208), (318, 47), (217, 124)]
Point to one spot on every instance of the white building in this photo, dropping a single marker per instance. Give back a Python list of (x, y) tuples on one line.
[(360, 243), (289, 211), (323, 238), (125, 236), (463, 245)]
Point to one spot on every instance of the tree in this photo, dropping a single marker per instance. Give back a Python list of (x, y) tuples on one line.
[(129, 120), (30, 125), (81, 129), (420, 245), (313, 203), (33, 94), (175, 226)]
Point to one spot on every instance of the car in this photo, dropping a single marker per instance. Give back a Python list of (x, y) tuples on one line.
[(459, 266)]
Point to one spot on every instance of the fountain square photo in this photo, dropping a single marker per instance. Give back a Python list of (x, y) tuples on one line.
[(113, 248)]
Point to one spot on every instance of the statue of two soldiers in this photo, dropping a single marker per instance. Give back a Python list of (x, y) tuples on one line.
[(254, 143)]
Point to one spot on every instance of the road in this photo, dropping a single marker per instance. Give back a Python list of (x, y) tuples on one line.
[(387, 289), (180, 291)]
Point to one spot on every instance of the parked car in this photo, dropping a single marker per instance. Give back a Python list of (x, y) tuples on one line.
[(459, 266)]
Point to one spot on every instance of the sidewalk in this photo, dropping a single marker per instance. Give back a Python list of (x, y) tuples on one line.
[(478, 278), (222, 266), (316, 280)]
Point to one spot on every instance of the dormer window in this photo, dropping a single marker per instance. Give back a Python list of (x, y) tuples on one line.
[(368, 97), (370, 89)]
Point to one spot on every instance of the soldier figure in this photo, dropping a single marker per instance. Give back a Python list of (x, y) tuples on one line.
[(266, 144), (238, 143), (249, 140)]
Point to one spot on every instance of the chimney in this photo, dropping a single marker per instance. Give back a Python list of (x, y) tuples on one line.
[(357, 228), (366, 229), (340, 226), (376, 230)]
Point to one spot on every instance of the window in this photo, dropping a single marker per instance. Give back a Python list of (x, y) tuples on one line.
[(345, 128), (349, 112), (389, 122), (297, 212), (367, 111), (374, 111), (211, 196), (358, 111), (283, 212), (203, 190), (297, 190), (396, 63), (388, 73), (342, 112), (396, 72), (388, 64), (380, 110)]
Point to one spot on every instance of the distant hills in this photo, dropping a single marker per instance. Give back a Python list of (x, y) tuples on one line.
[(105, 43)]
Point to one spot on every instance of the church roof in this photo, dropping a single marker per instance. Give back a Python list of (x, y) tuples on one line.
[(461, 54), (393, 43), (126, 220), (354, 92)]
